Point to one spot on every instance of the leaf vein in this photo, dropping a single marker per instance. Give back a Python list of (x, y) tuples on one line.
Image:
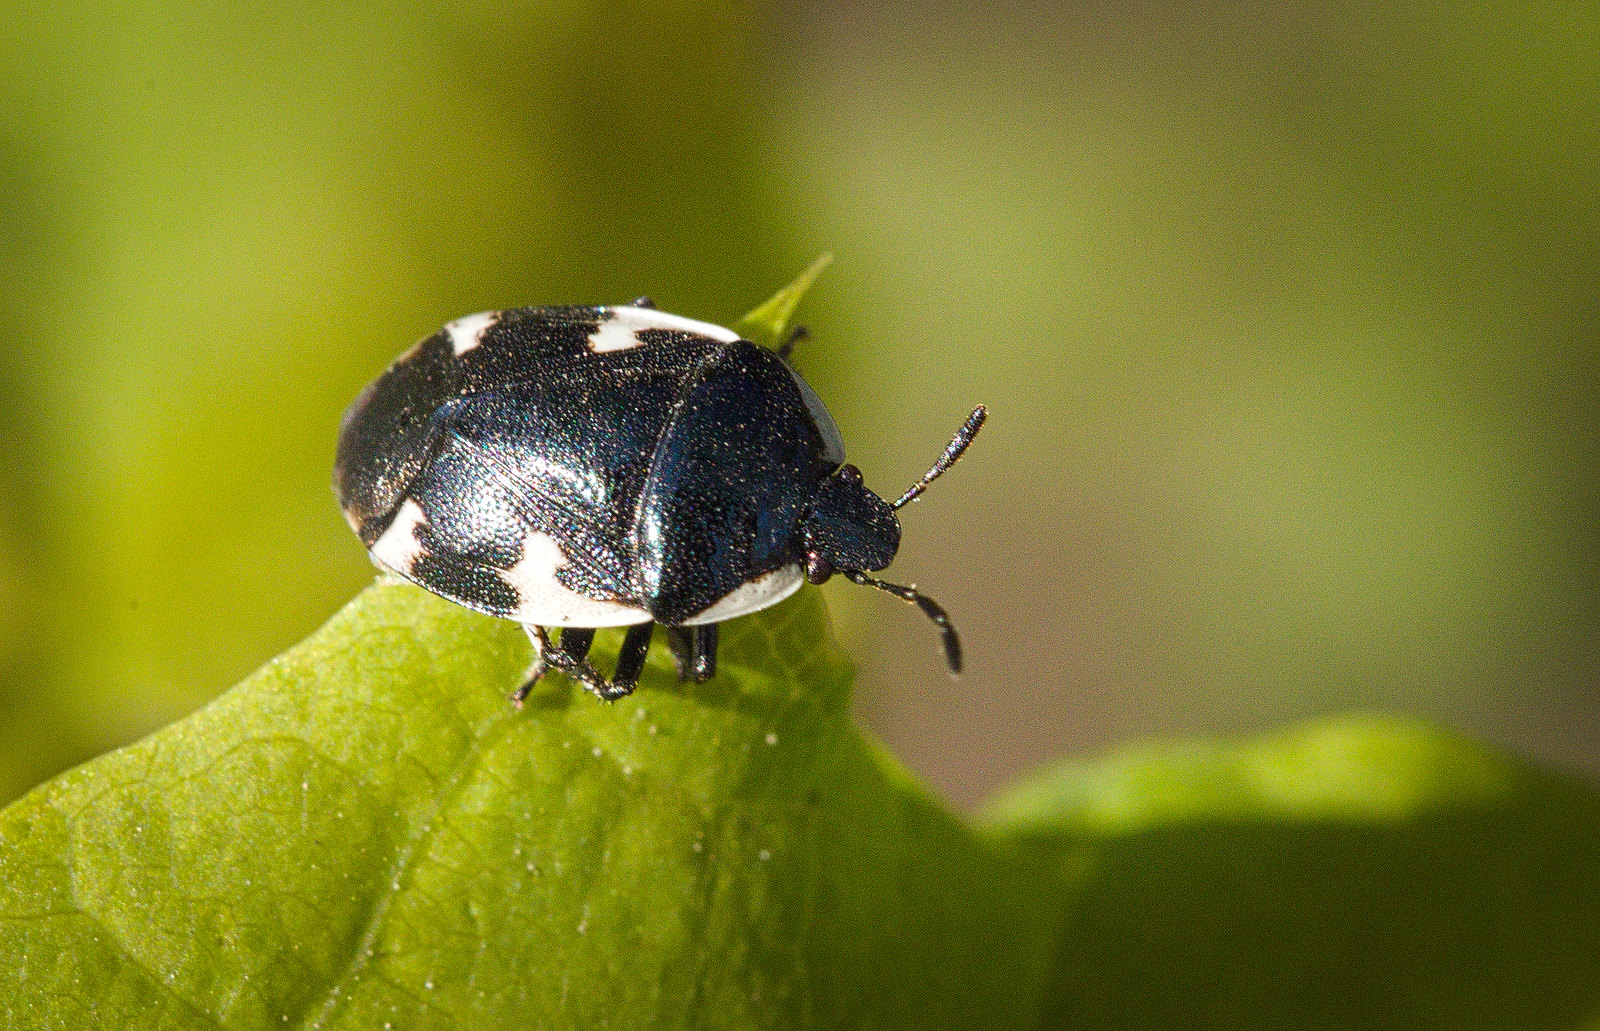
[(428, 825)]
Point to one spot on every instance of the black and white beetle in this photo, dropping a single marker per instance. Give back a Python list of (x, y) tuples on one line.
[(584, 467)]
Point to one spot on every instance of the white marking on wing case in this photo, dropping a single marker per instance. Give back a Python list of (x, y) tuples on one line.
[(398, 549), (751, 596), (619, 329), (545, 601), (467, 331)]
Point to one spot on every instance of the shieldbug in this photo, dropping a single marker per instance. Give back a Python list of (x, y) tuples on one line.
[(583, 467)]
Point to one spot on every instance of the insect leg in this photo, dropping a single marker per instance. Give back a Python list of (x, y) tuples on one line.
[(681, 640), (541, 646), (695, 649), (630, 663), (552, 657), (576, 641), (703, 663)]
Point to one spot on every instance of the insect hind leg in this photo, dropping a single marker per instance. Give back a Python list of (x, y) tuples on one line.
[(577, 640), (630, 663), (570, 657), (548, 656)]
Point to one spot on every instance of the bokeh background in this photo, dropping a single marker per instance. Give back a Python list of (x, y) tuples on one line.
[(1285, 313)]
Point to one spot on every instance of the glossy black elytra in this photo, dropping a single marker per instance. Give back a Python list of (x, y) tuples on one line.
[(584, 467)]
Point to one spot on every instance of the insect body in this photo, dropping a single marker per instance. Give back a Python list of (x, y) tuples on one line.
[(584, 467)]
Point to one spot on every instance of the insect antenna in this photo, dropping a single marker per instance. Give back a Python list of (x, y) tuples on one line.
[(952, 454), (930, 608)]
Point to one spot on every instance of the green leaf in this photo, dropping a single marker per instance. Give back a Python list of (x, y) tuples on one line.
[(1358, 873), (768, 323), (366, 834)]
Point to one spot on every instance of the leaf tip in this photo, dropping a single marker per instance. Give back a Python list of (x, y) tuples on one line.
[(771, 318)]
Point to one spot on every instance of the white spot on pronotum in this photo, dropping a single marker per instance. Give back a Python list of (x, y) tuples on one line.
[(467, 332), (545, 601), (751, 596), (398, 549), (619, 329)]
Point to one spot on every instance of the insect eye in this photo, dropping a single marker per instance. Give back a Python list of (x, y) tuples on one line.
[(850, 474), (818, 568)]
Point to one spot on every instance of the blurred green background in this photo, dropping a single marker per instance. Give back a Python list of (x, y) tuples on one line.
[(1286, 317)]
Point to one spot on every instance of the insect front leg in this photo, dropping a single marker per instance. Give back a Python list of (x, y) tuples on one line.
[(695, 649), (704, 666), (679, 640)]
